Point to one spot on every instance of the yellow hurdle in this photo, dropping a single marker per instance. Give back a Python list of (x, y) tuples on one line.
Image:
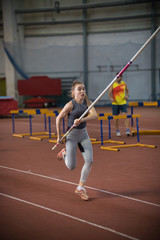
[(129, 145), (146, 132), (34, 136), (150, 104), (144, 104)]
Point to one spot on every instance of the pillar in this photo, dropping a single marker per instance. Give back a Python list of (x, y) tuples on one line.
[(10, 36)]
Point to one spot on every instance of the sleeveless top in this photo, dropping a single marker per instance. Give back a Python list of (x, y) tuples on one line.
[(118, 91), (77, 111)]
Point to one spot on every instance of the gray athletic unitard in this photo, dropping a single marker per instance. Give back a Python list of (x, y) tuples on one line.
[(78, 137)]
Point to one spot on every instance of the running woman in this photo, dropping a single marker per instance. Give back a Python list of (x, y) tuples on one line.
[(78, 136)]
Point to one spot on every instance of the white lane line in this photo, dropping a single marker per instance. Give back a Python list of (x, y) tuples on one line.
[(92, 188), (70, 216)]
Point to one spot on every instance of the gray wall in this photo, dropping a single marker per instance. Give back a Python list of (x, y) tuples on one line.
[(107, 53), (57, 50)]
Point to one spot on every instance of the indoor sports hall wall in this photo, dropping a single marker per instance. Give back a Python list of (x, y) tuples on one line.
[(44, 40), (108, 53)]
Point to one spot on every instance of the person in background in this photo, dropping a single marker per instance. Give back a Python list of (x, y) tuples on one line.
[(118, 94), (78, 136)]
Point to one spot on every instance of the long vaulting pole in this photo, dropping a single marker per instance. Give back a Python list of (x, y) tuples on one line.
[(105, 90)]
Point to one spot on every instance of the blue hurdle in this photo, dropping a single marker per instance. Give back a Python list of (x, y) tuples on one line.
[(129, 145)]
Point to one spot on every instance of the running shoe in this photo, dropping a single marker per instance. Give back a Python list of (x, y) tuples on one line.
[(82, 193), (118, 133), (61, 154), (128, 133)]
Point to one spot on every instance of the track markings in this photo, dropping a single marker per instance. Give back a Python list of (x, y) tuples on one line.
[(69, 216), (95, 189)]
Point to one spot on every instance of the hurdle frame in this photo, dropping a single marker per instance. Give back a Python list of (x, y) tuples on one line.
[(31, 112), (49, 133), (138, 144), (144, 104), (51, 114), (101, 117)]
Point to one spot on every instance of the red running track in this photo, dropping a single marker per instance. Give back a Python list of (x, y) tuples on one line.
[(37, 191)]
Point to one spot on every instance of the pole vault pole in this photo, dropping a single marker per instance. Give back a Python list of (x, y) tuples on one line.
[(105, 90)]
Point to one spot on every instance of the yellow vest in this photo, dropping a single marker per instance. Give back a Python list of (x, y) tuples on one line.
[(118, 91)]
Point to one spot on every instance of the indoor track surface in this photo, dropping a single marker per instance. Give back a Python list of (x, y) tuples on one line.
[(37, 196)]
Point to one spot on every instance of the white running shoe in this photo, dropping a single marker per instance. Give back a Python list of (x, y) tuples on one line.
[(82, 193), (61, 154), (128, 133), (118, 133)]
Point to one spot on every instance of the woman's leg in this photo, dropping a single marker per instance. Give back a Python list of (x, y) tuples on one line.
[(88, 158), (71, 151), (86, 149)]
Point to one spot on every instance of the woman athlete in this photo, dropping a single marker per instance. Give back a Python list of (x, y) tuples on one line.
[(78, 136)]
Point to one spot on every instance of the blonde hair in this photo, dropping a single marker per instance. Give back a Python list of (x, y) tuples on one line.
[(74, 84)]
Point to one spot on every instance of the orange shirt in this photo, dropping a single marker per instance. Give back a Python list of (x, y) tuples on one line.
[(118, 91)]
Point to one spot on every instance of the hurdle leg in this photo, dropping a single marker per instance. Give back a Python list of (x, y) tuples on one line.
[(138, 143), (101, 127), (109, 126), (132, 121), (13, 123), (110, 149), (132, 118), (30, 124), (45, 123), (137, 130), (49, 124)]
